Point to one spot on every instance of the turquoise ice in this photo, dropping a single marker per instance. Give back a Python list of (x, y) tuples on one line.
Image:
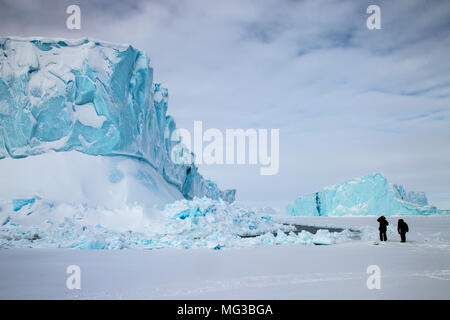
[(369, 195), (92, 97)]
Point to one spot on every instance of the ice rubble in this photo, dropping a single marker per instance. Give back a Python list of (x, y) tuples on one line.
[(95, 98), (197, 223), (369, 195)]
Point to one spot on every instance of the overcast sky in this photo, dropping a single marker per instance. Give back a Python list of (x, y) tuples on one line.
[(348, 101)]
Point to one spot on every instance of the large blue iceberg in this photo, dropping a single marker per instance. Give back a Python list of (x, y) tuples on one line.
[(95, 98), (369, 195)]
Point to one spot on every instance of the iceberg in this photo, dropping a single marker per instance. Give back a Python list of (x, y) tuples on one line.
[(97, 99), (87, 159), (369, 195)]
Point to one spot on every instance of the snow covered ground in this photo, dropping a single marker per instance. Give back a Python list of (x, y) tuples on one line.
[(418, 269)]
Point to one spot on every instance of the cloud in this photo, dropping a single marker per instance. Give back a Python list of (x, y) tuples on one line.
[(348, 100)]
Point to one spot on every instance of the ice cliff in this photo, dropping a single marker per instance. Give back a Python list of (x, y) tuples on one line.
[(369, 195), (98, 99)]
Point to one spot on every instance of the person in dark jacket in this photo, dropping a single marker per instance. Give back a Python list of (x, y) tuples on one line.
[(383, 228), (402, 229)]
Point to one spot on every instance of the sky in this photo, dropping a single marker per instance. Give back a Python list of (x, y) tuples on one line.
[(348, 101)]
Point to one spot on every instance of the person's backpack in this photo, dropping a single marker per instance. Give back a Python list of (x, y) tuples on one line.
[(406, 227)]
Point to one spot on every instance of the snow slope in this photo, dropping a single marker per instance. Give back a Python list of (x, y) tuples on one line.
[(95, 98), (369, 195), (75, 178)]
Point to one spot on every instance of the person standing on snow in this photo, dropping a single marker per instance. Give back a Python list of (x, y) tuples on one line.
[(402, 229), (383, 228)]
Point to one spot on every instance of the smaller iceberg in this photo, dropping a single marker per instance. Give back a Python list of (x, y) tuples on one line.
[(369, 195)]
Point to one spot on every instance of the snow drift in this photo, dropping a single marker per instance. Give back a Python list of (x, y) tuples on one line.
[(98, 99), (369, 195)]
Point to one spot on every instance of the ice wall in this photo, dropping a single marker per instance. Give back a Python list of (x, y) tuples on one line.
[(92, 97), (369, 195)]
